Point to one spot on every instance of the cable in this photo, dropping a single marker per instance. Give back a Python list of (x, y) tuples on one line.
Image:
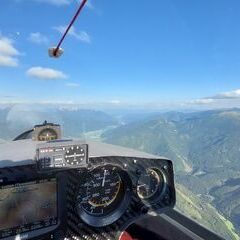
[(69, 26)]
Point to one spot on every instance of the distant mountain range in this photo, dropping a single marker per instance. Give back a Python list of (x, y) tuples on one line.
[(205, 148), (15, 120)]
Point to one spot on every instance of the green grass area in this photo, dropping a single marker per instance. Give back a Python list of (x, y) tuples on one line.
[(204, 214)]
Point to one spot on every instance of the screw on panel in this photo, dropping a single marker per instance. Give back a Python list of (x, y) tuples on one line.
[(165, 167), (167, 200)]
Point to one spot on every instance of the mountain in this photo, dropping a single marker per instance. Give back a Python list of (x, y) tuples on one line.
[(204, 213), (78, 122), (75, 122), (205, 149)]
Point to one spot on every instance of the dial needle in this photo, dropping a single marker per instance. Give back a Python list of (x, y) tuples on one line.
[(104, 177)]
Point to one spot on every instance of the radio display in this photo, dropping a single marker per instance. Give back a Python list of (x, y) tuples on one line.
[(27, 207)]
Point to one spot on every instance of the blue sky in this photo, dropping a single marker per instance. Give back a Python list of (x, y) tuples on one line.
[(121, 52)]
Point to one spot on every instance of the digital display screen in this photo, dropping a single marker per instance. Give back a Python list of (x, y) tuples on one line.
[(27, 206)]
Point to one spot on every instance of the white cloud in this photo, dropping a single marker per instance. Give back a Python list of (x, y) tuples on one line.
[(45, 73), (90, 4), (228, 95), (116, 102), (61, 2), (55, 2), (38, 38), (201, 101), (228, 99), (7, 48), (220, 100), (79, 35), (8, 53), (73, 85), (8, 61)]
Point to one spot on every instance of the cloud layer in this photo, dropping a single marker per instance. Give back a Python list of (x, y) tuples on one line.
[(228, 95), (45, 73), (8, 53)]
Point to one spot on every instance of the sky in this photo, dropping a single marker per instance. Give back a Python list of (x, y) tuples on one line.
[(140, 53)]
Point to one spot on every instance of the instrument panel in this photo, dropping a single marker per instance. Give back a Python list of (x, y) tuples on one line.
[(135, 187), (96, 198)]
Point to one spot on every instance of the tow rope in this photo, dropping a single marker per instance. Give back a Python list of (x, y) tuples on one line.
[(57, 51)]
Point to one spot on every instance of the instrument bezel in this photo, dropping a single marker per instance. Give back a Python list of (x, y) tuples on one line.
[(118, 211)]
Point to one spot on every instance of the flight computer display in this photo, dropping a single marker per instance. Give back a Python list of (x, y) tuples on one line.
[(27, 207)]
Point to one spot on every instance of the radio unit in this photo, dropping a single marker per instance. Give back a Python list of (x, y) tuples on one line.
[(59, 155)]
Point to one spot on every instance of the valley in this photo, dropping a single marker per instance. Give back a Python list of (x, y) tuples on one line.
[(204, 147)]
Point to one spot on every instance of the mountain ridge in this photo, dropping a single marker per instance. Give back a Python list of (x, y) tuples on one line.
[(205, 149)]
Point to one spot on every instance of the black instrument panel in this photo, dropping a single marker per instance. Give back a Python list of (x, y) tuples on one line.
[(95, 200), (136, 186)]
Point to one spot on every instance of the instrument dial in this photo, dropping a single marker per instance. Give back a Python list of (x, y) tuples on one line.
[(74, 155), (149, 184), (102, 191), (47, 134)]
